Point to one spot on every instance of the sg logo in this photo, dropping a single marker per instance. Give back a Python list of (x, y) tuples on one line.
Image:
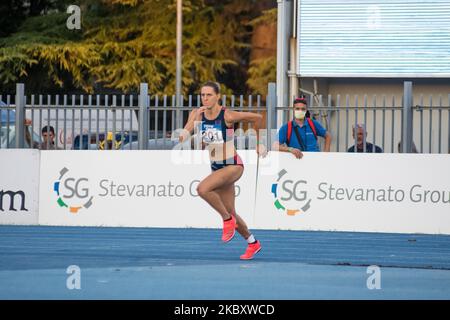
[(293, 191), (75, 189), (68, 188), (284, 190)]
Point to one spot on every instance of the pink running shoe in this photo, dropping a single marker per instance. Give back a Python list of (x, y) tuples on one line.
[(229, 229), (252, 249)]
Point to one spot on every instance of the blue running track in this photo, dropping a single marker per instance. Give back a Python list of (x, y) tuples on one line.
[(158, 263)]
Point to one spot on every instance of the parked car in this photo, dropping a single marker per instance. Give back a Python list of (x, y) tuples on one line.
[(153, 144), (240, 142), (128, 136), (91, 142), (8, 131)]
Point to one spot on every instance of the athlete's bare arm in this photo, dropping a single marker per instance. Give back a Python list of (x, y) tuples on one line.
[(194, 116), (238, 116), (232, 117)]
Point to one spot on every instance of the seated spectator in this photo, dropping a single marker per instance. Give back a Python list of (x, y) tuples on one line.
[(361, 144)]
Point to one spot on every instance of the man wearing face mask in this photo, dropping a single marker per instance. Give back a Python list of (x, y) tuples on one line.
[(301, 134)]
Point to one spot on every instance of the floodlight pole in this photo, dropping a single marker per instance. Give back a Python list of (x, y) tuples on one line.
[(179, 61)]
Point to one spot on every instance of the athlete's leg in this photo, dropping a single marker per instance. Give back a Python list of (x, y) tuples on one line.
[(207, 189), (227, 195)]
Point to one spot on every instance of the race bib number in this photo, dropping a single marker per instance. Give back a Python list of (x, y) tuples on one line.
[(212, 134)]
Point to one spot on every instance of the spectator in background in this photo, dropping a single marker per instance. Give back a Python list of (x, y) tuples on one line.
[(301, 134), (361, 143), (30, 142), (48, 137), (400, 147)]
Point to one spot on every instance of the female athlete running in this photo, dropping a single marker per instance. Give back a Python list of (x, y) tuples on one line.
[(217, 189)]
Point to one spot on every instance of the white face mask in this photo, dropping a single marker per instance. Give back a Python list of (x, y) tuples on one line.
[(299, 114)]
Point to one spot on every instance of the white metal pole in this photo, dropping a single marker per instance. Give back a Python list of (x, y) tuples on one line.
[(179, 60)]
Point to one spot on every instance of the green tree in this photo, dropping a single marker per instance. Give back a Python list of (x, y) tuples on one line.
[(263, 68), (125, 42)]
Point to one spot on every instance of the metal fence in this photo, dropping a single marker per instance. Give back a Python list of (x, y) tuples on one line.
[(143, 121), (107, 122), (424, 122)]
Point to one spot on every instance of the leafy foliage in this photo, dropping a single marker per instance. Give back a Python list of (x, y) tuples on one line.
[(263, 70), (125, 42)]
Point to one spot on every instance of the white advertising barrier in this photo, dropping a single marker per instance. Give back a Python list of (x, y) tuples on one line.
[(19, 186), (398, 193), (134, 188)]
